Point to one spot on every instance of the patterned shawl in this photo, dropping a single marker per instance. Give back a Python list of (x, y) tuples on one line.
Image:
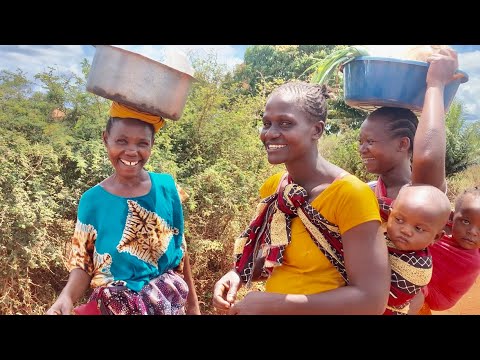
[(270, 232), (411, 271), (383, 201)]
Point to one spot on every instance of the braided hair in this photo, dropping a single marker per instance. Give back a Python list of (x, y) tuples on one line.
[(311, 98), (401, 122)]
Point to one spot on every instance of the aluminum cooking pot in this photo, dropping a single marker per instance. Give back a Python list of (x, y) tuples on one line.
[(137, 81)]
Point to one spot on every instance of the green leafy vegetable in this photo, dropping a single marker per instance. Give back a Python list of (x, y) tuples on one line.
[(326, 67)]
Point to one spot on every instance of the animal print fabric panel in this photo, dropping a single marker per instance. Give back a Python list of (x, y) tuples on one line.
[(146, 235), (102, 263), (83, 245)]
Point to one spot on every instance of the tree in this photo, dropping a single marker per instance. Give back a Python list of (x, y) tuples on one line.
[(264, 64), (270, 62), (463, 147)]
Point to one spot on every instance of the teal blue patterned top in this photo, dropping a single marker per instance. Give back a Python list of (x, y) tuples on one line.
[(128, 240)]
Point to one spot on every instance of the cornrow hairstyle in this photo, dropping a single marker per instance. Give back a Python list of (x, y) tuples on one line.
[(475, 191), (401, 122), (311, 98), (112, 120)]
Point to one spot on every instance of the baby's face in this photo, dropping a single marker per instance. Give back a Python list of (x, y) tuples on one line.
[(412, 228), (466, 223)]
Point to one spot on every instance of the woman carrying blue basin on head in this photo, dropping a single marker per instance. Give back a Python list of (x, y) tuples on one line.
[(401, 149)]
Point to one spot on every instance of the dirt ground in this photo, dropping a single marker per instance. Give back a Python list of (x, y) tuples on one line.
[(469, 304)]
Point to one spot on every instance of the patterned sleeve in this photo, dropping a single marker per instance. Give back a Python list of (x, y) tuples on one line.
[(181, 265), (82, 244), (181, 193)]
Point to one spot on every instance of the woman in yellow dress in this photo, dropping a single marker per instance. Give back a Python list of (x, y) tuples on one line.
[(315, 228)]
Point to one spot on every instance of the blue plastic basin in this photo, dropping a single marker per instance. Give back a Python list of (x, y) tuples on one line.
[(371, 82)]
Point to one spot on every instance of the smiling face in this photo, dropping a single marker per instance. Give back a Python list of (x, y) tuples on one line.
[(129, 143), (378, 150), (417, 217), (466, 222), (287, 133), (386, 139)]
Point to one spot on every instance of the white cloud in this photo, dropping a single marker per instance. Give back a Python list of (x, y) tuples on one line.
[(468, 93), (393, 51), (34, 59), (226, 54)]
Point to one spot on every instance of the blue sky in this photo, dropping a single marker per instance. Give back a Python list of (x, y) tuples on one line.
[(33, 59)]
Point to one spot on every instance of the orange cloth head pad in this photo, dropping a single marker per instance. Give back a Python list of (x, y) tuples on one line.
[(122, 111)]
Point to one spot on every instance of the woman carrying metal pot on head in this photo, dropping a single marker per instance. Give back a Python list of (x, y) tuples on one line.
[(128, 243)]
